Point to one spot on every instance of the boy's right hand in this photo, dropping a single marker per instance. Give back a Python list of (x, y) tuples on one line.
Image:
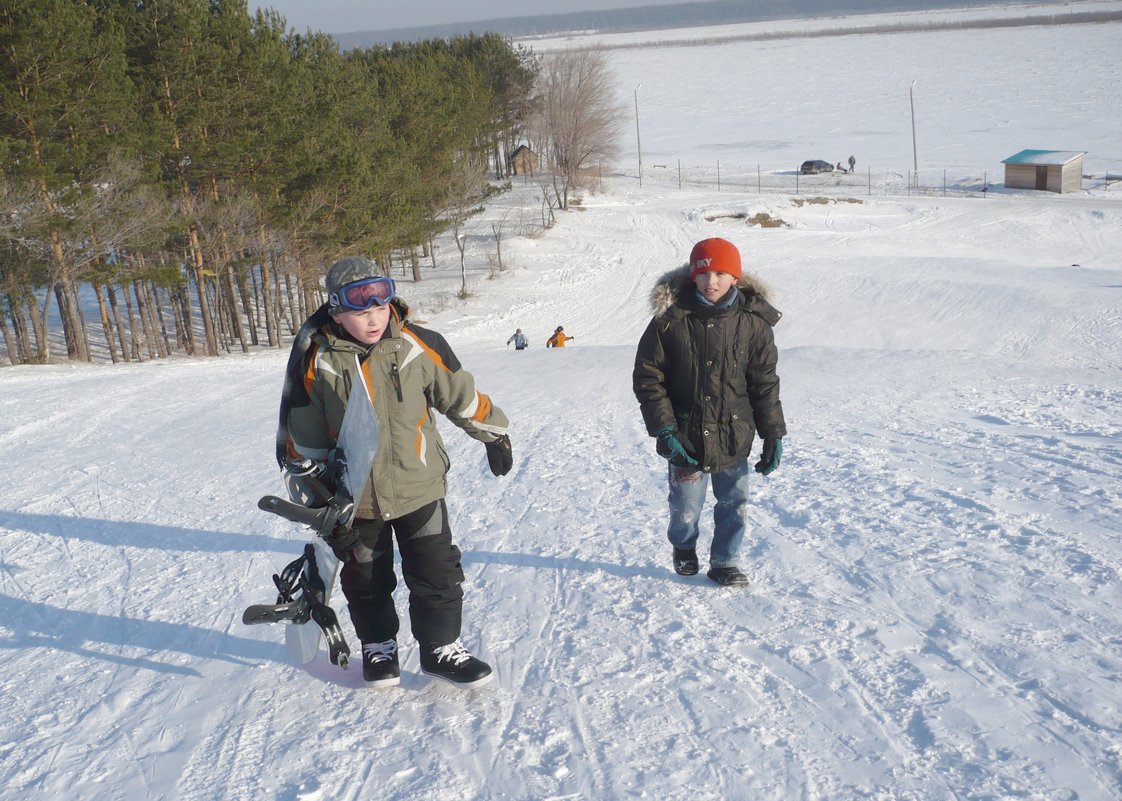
[(670, 447), (340, 540)]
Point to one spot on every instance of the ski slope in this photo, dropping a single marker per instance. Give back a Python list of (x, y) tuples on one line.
[(935, 609)]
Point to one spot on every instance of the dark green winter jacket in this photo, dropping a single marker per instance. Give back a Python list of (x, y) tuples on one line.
[(709, 372)]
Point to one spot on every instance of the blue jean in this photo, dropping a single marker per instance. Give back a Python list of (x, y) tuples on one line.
[(687, 497)]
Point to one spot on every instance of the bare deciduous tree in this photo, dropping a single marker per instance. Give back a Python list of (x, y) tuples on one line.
[(465, 190), (579, 118)]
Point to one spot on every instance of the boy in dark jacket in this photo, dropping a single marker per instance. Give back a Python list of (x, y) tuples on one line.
[(360, 355), (706, 384)]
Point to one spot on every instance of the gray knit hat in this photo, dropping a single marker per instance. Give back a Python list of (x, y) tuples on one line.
[(347, 271)]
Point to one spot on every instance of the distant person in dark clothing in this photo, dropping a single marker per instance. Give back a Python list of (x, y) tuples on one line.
[(852, 163)]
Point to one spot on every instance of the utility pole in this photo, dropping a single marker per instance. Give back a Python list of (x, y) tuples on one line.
[(638, 146), (915, 157)]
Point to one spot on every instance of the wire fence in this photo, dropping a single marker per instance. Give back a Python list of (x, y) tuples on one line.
[(870, 181)]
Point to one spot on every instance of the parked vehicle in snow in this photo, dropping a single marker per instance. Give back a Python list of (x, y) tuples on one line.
[(815, 166)]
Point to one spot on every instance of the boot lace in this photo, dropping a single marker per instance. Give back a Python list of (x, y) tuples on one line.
[(380, 651), (453, 652)]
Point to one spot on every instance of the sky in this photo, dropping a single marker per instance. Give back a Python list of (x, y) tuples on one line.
[(345, 16)]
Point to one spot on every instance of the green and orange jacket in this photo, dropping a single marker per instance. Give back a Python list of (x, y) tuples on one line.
[(406, 376)]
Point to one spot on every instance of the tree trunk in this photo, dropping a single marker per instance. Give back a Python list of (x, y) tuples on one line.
[(65, 322), (272, 328), (461, 245), (200, 289), (241, 280), (217, 302), (181, 308), (279, 298), (67, 304), (415, 261), (121, 331), (290, 295), (308, 299), (497, 230), (163, 341), (183, 297), (144, 313), (9, 342), (134, 337), (19, 333), (106, 326), (83, 328), (228, 280), (40, 329)]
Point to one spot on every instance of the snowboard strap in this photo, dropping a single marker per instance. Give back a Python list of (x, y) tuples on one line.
[(300, 594)]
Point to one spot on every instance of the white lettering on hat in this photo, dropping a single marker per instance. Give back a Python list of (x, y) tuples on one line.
[(702, 262)]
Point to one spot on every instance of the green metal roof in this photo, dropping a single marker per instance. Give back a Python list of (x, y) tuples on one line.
[(1050, 158)]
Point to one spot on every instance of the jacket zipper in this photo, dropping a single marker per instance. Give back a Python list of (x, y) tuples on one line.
[(396, 376)]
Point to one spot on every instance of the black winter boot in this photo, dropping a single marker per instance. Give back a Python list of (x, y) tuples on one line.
[(728, 576), (452, 663), (685, 562), (380, 666)]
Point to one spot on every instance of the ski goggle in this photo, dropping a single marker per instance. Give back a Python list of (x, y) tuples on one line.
[(361, 295)]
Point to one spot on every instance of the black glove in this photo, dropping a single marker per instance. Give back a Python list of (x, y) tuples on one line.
[(499, 456), (769, 459), (341, 540)]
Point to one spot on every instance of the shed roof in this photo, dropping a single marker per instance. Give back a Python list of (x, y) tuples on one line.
[(1042, 158)]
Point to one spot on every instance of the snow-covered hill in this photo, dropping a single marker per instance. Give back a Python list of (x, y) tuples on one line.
[(935, 605)]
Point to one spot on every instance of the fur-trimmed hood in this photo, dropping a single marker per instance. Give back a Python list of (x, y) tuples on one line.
[(671, 289)]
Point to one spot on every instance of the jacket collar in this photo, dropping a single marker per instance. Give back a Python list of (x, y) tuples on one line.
[(674, 290)]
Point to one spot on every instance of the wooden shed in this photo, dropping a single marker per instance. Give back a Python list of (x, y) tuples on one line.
[(1050, 170), (523, 160)]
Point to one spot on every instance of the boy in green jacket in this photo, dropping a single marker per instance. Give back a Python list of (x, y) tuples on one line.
[(361, 341)]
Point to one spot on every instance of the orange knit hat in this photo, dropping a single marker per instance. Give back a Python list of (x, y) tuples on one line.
[(715, 256)]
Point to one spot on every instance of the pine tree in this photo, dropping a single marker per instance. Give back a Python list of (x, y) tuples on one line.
[(63, 106)]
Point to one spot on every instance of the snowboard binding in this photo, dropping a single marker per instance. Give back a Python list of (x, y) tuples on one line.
[(300, 599), (301, 591)]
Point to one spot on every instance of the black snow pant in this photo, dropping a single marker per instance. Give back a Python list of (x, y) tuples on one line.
[(430, 565)]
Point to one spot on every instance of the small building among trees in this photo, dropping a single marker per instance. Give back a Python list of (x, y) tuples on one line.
[(523, 160), (1049, 170)]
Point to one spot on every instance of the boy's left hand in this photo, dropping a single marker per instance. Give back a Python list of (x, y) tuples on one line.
[(500, 458), (769, 459)]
